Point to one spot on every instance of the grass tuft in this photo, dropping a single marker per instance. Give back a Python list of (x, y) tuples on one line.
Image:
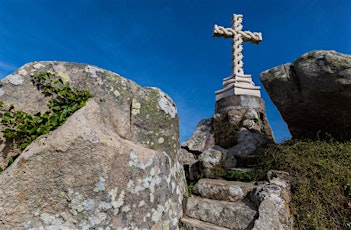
[(321, 181)]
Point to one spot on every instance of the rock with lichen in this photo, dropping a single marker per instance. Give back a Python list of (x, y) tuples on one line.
[(113, 163), (313, 94)]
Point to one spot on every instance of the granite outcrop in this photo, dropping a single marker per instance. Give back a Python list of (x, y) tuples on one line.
[(112, 165), (313, 94)]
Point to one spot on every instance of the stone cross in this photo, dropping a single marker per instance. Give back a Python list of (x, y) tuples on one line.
[(238, 83)]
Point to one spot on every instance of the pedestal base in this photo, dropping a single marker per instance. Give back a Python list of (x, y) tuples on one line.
[(235, 112), (234, 90), (238, 84), (240, 102)]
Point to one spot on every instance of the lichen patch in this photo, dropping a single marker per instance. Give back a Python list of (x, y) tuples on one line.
[(100, 186), (157, 214), (134, 161), (38, 66), (15, 79), (116, 204), (65, 77), (22, 72), (161, 140), (167, 105), (116, 93), (135, 107), (92, 70)]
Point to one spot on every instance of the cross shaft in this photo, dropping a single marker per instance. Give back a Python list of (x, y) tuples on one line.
[(238, 37)]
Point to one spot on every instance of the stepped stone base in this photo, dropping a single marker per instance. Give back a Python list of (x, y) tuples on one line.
[(238, 84), (237, 91)]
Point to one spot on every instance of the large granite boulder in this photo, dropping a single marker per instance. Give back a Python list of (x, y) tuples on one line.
[(313, 94), (112, 165)]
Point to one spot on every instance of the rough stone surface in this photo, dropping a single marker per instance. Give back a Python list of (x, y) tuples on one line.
[(236, 112), (193, 224), (313, 94), (240, 125), (192, 170), (246, 151), (273, 200), (210, 159), (222, 190), (112, 165), (237, 131), (231, 215), (202, 138), (269, 200), (185, 156)]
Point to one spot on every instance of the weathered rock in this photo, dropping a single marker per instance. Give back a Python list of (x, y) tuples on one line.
[(222, 190), (247, 149), (193, 224), (313, 94), (239, 127), (192, 170), (261, 205), (273, 200), (143, 115), (231, 215), (109, 166), (202, 138), (236, 112), (210, 159), (185, 156)]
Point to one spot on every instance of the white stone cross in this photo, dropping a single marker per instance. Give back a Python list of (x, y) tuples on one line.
[(238, 83)]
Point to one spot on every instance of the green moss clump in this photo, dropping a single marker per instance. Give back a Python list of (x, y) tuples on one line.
[(23, 128), (236, 175), (321, 181)]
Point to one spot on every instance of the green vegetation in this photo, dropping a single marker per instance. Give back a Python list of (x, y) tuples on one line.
[(321, 181), (235, 175), (22, 128), (191, 187)]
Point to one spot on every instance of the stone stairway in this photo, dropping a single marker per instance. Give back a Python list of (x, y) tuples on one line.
[(219, 204)]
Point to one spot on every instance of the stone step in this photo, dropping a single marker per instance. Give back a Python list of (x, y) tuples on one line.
[(222, 190), (233, 215), (193, 224)]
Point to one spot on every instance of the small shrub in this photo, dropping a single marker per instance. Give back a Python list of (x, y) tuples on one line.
[(22, 128)]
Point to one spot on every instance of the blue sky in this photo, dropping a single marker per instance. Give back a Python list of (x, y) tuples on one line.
[(169, 44)]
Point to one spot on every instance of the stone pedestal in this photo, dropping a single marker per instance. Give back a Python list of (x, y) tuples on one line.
[(239, 111), (241, 126), (233, 102), (239, 129)]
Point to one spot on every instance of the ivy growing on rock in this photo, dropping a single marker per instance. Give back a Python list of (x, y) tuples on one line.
[(23, 128)]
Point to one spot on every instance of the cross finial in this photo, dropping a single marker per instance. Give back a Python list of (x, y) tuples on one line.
[(238, 78)]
